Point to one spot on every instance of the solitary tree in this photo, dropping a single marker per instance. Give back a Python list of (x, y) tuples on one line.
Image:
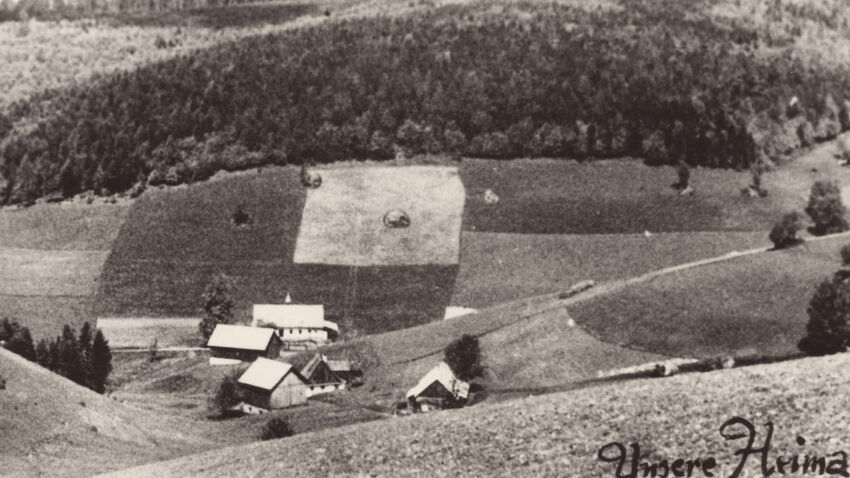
[(218, 306), (826, 208), (464, 357), (684, 173), (827, 330), (845, 255), (784, 232)]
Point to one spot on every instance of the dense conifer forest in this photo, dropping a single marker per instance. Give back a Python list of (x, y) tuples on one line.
[(653, 80)]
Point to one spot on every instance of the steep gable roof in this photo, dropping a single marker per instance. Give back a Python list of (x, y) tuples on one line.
[(443, 374), (339, 365), (292, 315), (241, 337), (267, 374)]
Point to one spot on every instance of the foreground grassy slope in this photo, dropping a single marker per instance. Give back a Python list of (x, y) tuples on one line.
[(174, 241), (559, 434), (51, 425), (750, 304)]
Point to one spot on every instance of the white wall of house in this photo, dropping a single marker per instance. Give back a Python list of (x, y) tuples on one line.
[(291, 391), (318, 389), (298, 334)]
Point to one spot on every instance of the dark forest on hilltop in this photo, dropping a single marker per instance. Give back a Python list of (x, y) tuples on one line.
[(654, 80)]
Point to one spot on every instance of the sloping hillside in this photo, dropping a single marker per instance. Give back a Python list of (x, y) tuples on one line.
[(50, 262), (560, 434), (752, 304), (175, 240), (51, 425), (479, 79)]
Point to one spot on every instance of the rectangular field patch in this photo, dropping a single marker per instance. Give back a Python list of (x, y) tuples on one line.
[(32, 272), (343, 219)]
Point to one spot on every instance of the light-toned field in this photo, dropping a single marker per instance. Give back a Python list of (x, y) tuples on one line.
[(559, 434), (68, 53), (36, 272), (67, 226), (51, 257), (145, 331), (342, 223)]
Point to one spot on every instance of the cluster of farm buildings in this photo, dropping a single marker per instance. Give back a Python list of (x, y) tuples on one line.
[(277, 330)]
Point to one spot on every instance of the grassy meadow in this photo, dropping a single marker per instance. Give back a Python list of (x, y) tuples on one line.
[(176, 240), (750, 305), (342, 222), (50, 262)]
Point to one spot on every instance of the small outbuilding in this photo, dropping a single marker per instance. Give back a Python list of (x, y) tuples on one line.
[(238, 343), (438, 389), (272, 384)]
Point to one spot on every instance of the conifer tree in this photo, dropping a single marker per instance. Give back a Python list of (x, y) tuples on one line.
[(101, 362)]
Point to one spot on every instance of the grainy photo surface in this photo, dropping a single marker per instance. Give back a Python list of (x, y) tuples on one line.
[(424, 238)]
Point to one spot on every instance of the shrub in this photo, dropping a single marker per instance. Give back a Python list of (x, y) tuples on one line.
[(228, 395), (277, 427), (464, 357), (826, 208), (845, 255), (241, 217), (784, 232), (827, 329)]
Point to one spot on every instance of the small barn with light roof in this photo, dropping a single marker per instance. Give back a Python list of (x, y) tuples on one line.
[(438, 389), (272, 384), (238, 343)]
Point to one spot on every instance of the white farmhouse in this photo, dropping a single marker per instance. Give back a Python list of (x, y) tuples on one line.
[(299, 326)]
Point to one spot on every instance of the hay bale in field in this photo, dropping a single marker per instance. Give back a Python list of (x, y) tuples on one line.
[(310, 179), (396, 218), (490, 197), (665, 369)]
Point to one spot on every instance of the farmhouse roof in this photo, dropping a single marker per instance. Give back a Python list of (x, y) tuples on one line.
[(306, 316), (339, 365), (241, 337), (267, 374), (311, 366), (443, 374)]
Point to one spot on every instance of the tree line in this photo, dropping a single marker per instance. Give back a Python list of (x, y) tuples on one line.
[(652, 81), (84, 359)]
